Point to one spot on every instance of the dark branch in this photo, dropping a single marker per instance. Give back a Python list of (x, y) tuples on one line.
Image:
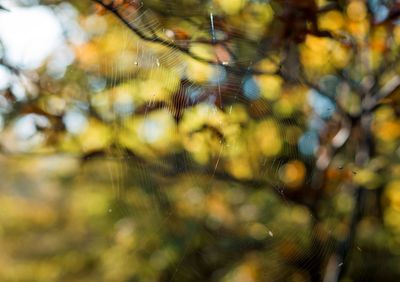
[(156, 39)]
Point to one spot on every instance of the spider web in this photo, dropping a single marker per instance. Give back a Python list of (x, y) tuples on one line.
[(123, 165)]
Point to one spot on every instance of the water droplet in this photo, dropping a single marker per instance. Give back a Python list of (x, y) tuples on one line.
[(340, 167), (169, 33), (340, 264), (270, 233), (225, 63), (136, 63)]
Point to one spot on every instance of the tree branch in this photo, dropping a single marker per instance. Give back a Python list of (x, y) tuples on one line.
[(156, 39)]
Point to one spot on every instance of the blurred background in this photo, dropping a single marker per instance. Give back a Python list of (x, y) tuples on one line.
[(188, 140)]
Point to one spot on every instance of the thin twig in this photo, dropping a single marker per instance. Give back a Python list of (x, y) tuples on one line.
[(156, 39)]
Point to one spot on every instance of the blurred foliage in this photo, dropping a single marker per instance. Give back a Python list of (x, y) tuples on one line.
[(226, 140)]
